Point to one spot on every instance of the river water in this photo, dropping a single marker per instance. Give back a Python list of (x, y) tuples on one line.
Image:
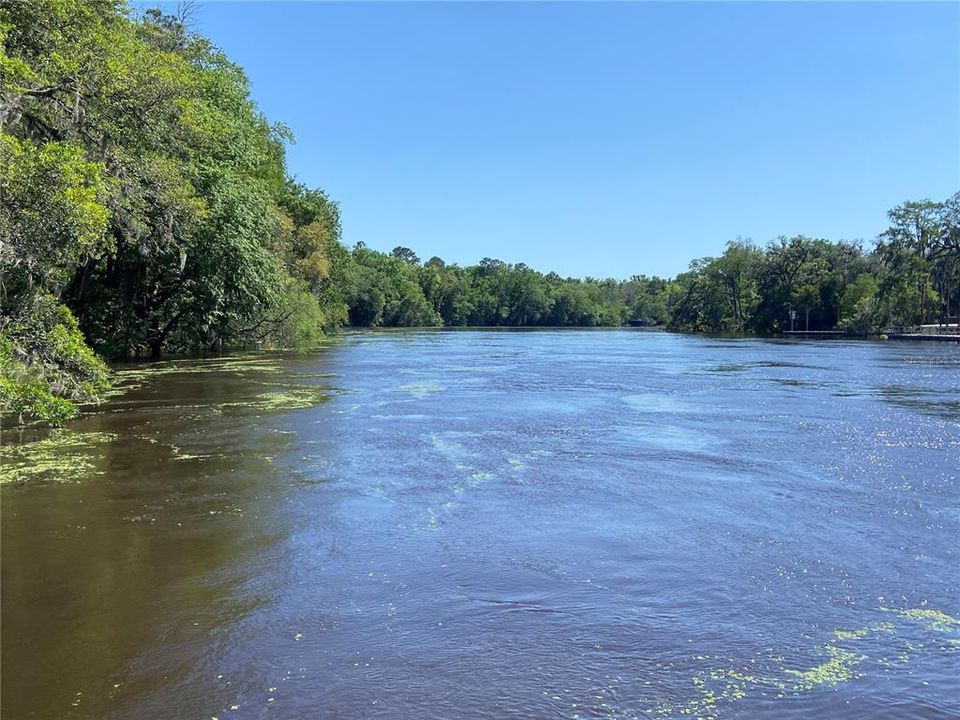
[(552, 524)]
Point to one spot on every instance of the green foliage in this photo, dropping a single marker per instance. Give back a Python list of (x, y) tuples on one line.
[(173, 225), (754, 290), (861, 291), (825, 285), (52, 214), (140, 186), (384, 290), (307, 241), (920, 256), (866, 318), (46, 368), (647, 300), (297, 321), (395, 290)]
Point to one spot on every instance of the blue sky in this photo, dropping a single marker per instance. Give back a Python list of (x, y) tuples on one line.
[(606, 139)]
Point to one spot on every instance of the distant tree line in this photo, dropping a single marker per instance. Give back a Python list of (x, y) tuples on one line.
[(397, 290), (911, 276), (146, 208)]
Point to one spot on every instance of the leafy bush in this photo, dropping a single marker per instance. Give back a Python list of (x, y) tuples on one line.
[(46, 368), (865, 319)]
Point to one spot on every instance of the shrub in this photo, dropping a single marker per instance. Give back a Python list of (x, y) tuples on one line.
[(46, 368)]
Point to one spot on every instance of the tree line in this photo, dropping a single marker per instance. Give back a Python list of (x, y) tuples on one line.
[(909, 277), (146, 208)]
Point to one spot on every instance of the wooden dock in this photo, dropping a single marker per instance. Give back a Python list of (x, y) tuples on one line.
[(835, 334), (924, 336)]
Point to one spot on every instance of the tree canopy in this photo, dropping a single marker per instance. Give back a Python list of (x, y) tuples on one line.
[(144, 192)]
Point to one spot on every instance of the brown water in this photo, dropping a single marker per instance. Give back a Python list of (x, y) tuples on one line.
[(488, 525)]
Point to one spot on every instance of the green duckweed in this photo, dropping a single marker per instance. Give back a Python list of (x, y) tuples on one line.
[(851, 634), (840, 667), (62, 456), (716, 688), (936, 620), (296, 398)]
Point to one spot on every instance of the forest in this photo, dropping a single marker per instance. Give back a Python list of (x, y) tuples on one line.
[(146, 208)]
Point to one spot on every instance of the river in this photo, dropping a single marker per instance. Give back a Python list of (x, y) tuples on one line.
[(549, 524)]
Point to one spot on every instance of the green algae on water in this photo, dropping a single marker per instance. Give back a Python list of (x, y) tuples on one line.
[(936, 620), (133, 377), (840, 667), (291, 398), (296, 398), (237, 365), (932, 619), (861, 633), (719, 687), (62, 456), (851, 634)]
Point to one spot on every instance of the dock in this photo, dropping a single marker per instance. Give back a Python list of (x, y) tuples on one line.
[(936, 337), (888, 335), (937, 332)]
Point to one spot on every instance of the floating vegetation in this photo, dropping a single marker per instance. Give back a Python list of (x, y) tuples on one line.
[(715, 688), (291, 398), (883, 627), (269, 368), (851, 634), (240, 364), (934, 619), (62, 456), (840, 667), (295, 398), (68, 456)]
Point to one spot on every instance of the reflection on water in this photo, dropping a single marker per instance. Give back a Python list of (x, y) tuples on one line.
[(495, 524)]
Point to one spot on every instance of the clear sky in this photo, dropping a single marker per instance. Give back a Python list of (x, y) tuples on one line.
[(606, 139)]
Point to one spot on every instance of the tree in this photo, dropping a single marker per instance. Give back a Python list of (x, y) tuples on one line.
[(736, 270), (909, 249), (53, 215), (647, 299), (405, 254)]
